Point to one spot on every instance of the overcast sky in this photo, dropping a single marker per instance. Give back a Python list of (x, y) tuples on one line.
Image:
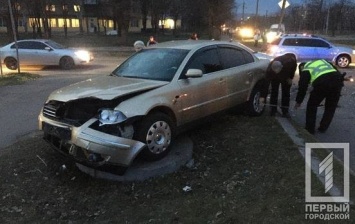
[(269, 6)]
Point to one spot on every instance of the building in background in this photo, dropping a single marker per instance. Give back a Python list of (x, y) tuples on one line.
[(86, 16)]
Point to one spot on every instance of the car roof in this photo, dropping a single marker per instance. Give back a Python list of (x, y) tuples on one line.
[(193, 44), (300, 35), (38, 40)]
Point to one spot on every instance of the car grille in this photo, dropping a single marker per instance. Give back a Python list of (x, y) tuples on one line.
[(51, 109)]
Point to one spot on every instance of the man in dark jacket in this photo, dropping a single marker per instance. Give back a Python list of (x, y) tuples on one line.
[(327, 83), (280, 72)]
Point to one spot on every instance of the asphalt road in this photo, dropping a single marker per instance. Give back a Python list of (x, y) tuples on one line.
[(342, 128), (20, 105)]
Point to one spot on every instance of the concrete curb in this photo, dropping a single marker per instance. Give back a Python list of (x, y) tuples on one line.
[(300, 143), (180, 154)]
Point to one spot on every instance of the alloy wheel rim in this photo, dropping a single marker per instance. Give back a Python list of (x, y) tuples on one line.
[(158, 137), (256, 103), (343, 62)]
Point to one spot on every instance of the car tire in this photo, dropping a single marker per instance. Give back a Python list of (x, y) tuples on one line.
[(343, 61), (66, 63), (254, 107), (156, 131), (11, 63)]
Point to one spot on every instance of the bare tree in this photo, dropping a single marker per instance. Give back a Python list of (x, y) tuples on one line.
[(144, 11), (120, 10), (5, 11), (218, 13), (336, 16)]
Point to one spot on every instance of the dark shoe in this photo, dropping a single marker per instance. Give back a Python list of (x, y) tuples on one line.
[(322, 130)]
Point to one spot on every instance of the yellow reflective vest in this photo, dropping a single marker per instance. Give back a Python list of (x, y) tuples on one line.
[(318, 68)]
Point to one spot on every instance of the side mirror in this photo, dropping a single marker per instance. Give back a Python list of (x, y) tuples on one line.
[(47, 48), (194, 73)]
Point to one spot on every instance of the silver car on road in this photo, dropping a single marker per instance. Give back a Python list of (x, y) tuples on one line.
[(309, 47), (42, 52), (139, 108)]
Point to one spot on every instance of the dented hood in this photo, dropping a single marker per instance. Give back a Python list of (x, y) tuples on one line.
[(105, 88)]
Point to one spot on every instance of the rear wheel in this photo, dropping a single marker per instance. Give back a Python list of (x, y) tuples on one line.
[(66, 63), (156, 131), (11, 63), (343, 61)]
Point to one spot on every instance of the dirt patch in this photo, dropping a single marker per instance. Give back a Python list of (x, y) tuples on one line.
[(246, 170), (16, 78)]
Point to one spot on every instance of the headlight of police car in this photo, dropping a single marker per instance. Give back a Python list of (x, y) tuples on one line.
[(108, 116)]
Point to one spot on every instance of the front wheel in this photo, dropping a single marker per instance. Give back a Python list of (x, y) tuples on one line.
[(156, 131), (254, 106), (11, 63), (66, 63), (343, 61)]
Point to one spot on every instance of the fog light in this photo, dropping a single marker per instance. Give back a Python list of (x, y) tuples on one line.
[(94, 157)]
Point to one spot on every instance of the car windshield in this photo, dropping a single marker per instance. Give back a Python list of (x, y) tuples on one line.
[(54, 45), (155, 64)]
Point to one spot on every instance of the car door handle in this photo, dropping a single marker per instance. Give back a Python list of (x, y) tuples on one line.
[(222, 80)]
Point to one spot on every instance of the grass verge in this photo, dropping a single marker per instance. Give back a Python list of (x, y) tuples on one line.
[(246, 170), (17, 78)]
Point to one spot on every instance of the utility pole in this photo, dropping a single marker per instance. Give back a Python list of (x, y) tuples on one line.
[(256, 13), (243, 12), (14, 33), (327, 22), (283, 9)]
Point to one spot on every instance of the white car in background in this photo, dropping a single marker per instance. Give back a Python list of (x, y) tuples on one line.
[(112, 32), (42, 52)]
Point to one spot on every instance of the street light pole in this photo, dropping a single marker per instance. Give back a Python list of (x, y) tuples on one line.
[(243, 12), (283, 9), (256, 13), (15, 37)]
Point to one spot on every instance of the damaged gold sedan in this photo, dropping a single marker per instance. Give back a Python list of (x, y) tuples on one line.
[(106, 122)]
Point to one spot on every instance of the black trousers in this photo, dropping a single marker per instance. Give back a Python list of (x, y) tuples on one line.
[(285, 95), (331, 93)]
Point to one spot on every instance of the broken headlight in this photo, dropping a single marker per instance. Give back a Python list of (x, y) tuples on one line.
[(108, 116)]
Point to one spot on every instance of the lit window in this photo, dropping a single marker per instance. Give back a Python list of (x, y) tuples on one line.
[(75, 23), (61, 22), (52, 22), (77, 8), (50, 8)]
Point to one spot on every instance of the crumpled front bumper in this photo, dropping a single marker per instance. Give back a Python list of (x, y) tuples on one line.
[(88, 146)]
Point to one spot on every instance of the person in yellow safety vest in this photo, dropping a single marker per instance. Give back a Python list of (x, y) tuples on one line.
[(327, 82)]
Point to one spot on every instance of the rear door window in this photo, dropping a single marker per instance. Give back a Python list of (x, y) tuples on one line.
[(320, 43), (305, 42), (233, 57), (290, 42)]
